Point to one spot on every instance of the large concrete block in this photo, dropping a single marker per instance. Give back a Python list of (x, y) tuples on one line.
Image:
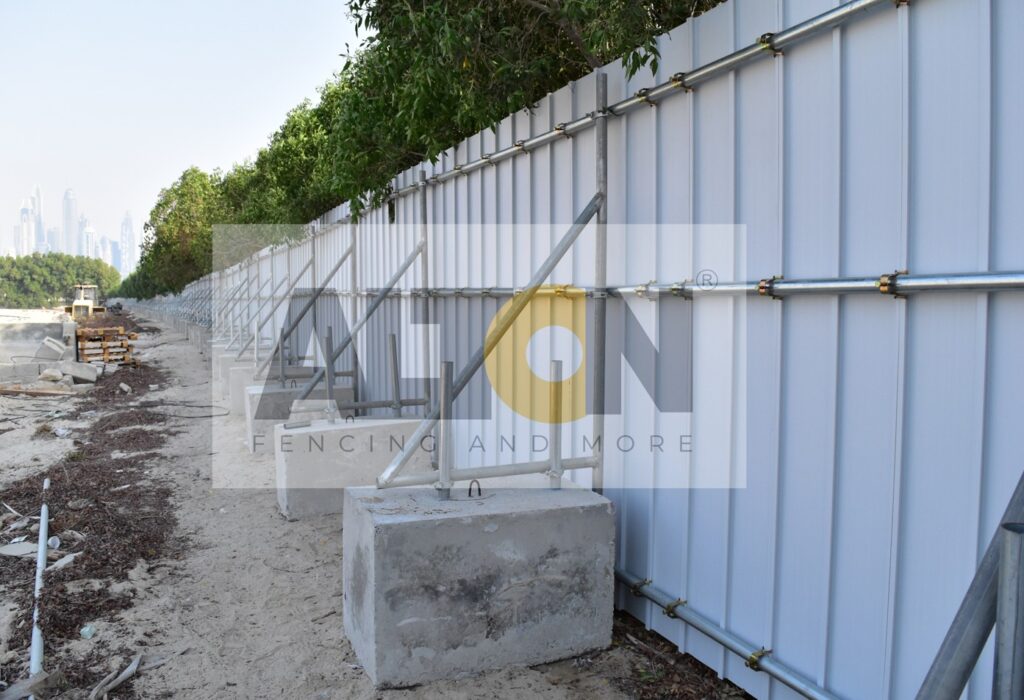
[(443, 589), (239, 380), (316, 462), (82, 372), (269, 405), (50, 349), (226, 362)]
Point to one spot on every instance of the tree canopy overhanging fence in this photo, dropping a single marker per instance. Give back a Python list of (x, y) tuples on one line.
[(426, 75)]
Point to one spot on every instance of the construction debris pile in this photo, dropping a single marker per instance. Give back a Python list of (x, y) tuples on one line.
[(71, 362)]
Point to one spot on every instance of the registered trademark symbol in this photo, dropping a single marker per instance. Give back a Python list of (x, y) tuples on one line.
[(706, 279)]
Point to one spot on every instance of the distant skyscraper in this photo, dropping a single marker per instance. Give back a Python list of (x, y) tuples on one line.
[(115, 257), (70, 242), (53, 240), (27, 230), (104, 248), (88, 240), (41, 244), (127, 245), (83, 223)]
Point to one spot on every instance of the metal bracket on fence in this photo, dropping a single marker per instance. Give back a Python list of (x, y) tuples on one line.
[(644, 95), (887, 283), (753, 661), (637, 588), (647, 291), (670, 609), (766, 287), (767, 42), (479, 489), (678, 81)]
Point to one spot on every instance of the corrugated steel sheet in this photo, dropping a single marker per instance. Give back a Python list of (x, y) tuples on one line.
[(881, 438)]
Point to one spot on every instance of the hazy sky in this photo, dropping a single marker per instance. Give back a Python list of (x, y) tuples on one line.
[(114, 98)]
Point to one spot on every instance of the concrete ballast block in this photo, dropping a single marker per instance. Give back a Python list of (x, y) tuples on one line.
[(443, 589), (238, 380), (271, 404), (316, 462)]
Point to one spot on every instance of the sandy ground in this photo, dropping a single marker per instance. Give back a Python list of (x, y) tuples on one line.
[(253, 607), (257, 601)]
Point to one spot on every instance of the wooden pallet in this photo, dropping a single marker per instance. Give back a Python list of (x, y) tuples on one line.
[(110, 345)]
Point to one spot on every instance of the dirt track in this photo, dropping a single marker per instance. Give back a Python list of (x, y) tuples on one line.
[(239, 602)]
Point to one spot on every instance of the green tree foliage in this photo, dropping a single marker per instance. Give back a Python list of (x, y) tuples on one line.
[(436, 71), (44, 280), (429, 73)]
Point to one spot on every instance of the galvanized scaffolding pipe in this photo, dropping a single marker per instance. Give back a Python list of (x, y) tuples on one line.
[(757, 658), (328, 350), (280, 300), (251, 315), (555, 423), (377, 301), (308, 305), (445, 449), (498, 471), (600, 279), (1008, 678), (502, 326), (396, 383), (892, 284), (972, 624), (889, 284), (768, 44), (425, 279)]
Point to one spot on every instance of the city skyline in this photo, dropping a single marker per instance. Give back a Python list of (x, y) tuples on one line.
[(35, 233), (104, 113)]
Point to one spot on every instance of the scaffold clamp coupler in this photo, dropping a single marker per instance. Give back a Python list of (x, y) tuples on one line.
[(670, 609), (888, 283), (767, 42), (753, 661), (637, 588), (766, 287)]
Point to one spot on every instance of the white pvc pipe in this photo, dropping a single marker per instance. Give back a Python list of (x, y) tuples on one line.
[(35, 663)]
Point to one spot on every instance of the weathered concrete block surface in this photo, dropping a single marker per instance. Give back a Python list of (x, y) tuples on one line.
[(50, 349), (267, 406), (82, 372), (239, 380), (443, 589), (229, 369), (315, 463)]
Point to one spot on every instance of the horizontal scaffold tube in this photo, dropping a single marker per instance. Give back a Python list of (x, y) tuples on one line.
[(768, 44), (757, 658), (892, 283), (497, 471)]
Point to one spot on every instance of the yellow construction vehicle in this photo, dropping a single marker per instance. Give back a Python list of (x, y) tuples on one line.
[(86, 301)]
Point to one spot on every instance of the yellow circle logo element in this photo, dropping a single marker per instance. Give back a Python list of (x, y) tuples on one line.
[(508, 366)]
